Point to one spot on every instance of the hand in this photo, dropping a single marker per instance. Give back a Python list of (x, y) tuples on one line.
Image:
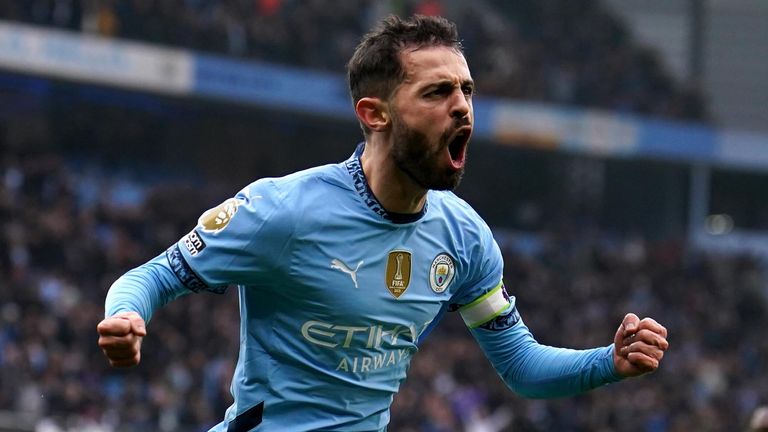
[(120, 338), (639, 346)]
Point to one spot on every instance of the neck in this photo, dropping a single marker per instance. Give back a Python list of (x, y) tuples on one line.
[(394, 189)]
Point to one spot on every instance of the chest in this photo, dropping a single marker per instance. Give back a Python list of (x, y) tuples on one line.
[(364, 274)]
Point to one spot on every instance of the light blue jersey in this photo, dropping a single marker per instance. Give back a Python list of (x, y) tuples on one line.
[(336, 293)]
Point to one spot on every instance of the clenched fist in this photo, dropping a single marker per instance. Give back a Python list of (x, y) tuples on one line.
[(639, 346), (120, 338)]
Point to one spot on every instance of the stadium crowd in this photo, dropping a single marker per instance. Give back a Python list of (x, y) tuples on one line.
[(70, 228), (566, 52)]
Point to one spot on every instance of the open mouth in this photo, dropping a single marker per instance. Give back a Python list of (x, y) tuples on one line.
[(457, 147)]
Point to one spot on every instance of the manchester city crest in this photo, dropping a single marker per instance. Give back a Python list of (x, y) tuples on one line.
[(441, 272)]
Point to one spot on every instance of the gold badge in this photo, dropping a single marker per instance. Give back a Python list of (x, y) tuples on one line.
[(217, 218), (398, 272)]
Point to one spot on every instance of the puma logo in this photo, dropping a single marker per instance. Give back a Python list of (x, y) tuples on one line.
[(338, 265)]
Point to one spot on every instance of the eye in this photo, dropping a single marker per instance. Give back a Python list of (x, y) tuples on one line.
[(468, 90), (439, 91)]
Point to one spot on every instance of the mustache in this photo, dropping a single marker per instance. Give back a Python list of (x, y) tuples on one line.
[(461, 122), (458, 123)]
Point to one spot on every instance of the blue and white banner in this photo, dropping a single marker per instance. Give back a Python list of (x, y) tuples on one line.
[(272, 86), (603, 133), (92, 59)]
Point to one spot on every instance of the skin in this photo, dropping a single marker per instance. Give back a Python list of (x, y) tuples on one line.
[(639, 346), (406, 154), (120, 338)]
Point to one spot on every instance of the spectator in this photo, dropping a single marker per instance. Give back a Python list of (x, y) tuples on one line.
[(571, 53)]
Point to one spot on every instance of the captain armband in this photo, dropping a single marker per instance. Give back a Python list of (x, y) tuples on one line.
[(486, 307)]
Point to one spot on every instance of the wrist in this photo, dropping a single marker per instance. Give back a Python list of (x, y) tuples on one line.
[(611, 360)]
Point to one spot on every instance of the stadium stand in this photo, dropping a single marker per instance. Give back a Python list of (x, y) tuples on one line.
[(74, 216), (69, 231), (571, 53)]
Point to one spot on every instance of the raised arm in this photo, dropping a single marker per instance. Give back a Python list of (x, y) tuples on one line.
[(540, 371)]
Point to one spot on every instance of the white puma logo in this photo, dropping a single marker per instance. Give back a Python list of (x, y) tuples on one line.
[(338, 265)]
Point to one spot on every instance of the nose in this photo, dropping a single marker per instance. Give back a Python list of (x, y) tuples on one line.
[(462, 105)]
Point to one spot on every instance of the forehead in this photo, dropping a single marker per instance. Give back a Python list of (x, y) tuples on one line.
[(426, 65)]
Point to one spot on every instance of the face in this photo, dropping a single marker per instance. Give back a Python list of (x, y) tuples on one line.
[(431, 115)]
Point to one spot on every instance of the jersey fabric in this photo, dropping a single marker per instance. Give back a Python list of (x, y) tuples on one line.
[(336, 293)]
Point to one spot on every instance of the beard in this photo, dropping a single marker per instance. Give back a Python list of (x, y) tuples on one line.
[(413, 154)]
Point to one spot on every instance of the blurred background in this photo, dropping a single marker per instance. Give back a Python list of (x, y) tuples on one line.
[(620, 154)]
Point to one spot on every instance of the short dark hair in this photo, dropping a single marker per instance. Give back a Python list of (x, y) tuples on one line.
[(375, 68)]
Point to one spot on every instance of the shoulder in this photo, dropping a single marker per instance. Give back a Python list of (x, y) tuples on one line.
[(470, 233), (270, 208), (458, 213), (479, 259), (301, 184)]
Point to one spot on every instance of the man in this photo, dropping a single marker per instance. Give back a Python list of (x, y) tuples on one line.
[(343, 269)]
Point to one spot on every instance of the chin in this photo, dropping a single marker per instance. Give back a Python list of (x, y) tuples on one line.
[(448, 183)]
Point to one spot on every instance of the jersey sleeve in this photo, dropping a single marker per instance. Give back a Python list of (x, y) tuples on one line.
[(144, 289), (240, 241), (527, 367), (540, 371)]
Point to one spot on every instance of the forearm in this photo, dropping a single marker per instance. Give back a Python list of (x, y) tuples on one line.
[(540, 371), (144, 289)]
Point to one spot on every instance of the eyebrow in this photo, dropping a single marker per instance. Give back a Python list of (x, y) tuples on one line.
[(449, 83)]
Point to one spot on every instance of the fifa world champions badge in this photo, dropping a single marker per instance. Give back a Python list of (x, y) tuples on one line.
[(441, 272), (398, 275)]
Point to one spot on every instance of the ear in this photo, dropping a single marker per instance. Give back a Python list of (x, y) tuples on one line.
[(373, 113)]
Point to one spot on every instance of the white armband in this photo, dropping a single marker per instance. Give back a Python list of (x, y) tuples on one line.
[(485, 308)]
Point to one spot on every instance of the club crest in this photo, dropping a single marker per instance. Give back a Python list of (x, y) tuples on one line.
[(398, 275), (217, 218), (441, 272)]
